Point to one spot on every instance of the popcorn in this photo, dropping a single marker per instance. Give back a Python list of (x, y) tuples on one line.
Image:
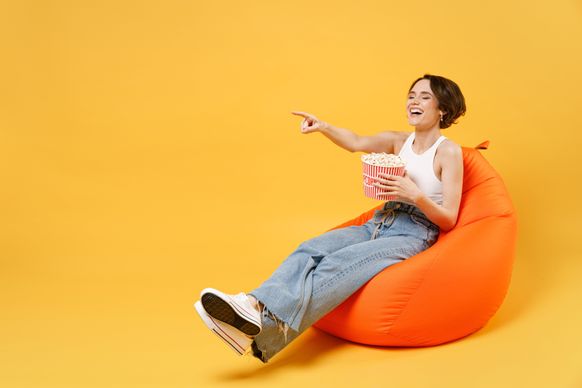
[(383, 159), (375, 163)]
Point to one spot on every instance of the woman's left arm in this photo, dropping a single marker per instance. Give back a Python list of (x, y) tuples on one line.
[(445, 215)]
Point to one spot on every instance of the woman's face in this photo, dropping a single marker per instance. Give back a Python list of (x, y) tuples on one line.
[(422, 99)]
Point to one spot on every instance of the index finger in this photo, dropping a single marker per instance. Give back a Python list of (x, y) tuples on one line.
[(307, 115)]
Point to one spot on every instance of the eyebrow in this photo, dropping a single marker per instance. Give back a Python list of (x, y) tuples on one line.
[(420, 92)]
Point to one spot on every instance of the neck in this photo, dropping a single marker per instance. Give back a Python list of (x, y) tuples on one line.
[(424, 139)]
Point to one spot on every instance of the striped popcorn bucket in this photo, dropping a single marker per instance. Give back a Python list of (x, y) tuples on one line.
[(371, 175)]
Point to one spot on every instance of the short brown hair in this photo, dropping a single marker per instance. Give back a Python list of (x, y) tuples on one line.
[(450, 99)]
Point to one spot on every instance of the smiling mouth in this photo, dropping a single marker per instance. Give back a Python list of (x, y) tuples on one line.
[(414, 111)]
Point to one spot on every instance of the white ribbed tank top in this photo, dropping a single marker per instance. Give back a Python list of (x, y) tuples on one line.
[(420, 168)]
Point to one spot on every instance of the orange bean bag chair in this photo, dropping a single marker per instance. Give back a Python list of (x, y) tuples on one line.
[(449, 290)]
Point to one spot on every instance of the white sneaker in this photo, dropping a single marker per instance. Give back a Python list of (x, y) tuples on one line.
[(237, 340), (235, 310)]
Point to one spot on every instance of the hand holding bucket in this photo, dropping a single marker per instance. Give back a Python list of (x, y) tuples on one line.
[(371, 169)]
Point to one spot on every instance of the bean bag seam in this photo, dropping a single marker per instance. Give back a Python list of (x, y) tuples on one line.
[(395, 321)]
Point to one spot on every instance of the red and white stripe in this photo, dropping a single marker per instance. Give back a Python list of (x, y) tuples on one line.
[(371, 172)]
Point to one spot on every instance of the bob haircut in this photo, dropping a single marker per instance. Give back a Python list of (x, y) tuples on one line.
[(449, 97)]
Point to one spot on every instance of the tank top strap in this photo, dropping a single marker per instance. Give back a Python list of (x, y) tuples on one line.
[(439, 141), (407, 144), (431, 152)]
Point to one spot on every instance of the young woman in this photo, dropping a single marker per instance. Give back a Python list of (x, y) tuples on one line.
[(325, 270)]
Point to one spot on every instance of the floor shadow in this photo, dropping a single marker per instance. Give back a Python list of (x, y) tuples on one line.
[(312, 347), (306, 350)]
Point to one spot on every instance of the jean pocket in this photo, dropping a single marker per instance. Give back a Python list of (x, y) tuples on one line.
[(432, 231), (420, 221)]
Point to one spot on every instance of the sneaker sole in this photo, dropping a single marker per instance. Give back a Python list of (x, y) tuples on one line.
[(231, 342), (222, 310)]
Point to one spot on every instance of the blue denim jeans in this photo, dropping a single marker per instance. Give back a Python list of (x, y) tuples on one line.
[(325, 270)]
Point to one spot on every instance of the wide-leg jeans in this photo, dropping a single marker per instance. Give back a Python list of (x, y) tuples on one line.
[(325, 270)]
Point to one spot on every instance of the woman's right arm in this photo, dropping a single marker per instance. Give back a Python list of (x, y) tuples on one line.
[(341, 136), (381, 142)]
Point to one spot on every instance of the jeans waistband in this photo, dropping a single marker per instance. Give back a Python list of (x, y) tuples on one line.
[(410, 209)]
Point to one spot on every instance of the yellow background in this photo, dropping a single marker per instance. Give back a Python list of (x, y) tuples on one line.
[(147, 151)]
